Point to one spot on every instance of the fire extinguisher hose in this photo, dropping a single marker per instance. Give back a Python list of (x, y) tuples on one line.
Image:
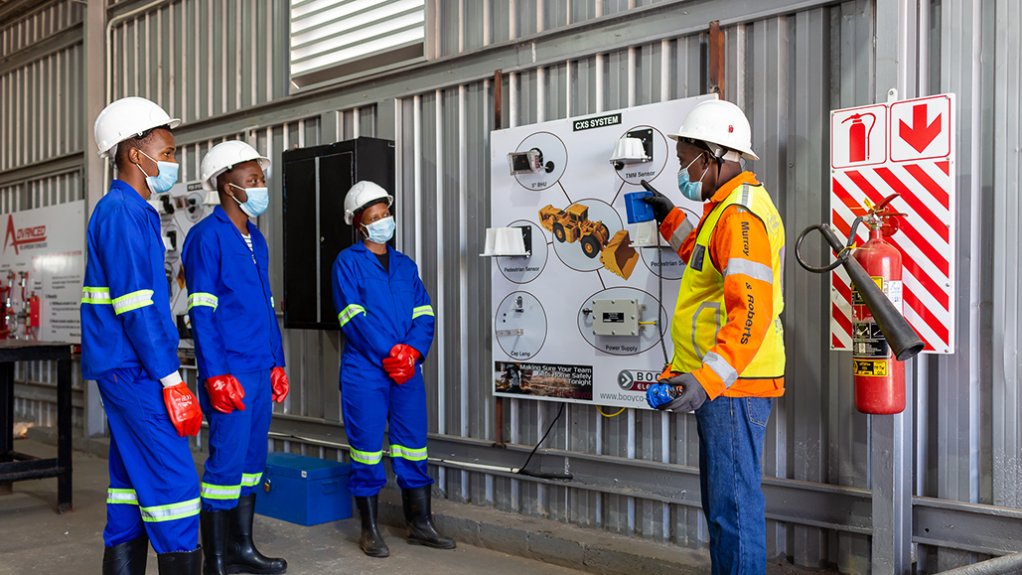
[(843, 251), (904, 340)]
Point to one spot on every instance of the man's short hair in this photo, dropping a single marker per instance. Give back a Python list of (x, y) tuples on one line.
[(136, 141), (221, 179)]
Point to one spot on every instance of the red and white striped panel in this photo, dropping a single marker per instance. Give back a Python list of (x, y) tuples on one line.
[(926, 241)]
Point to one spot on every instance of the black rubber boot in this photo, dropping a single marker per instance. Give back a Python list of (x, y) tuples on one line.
[(370, 541), (214, 541), (181, 562), (242, 556), (126, 558), (419, 516)]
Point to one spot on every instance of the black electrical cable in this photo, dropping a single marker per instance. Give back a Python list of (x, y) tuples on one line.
[(523, 471), (660, 276), (660, 296)]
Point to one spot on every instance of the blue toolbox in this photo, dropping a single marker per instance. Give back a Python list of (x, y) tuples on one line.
[(304, 490)]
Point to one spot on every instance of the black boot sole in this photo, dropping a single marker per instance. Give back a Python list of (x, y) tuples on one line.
[(379, 554), (432, 544), (233, 569)]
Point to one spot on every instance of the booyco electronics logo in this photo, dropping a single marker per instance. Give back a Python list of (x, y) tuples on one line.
[(19, 237), (636, 379)]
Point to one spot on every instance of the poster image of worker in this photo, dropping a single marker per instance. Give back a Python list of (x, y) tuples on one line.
[(388, 324), (547, 380), (511, 378), (129, 347), (239, 353), (729, 357)]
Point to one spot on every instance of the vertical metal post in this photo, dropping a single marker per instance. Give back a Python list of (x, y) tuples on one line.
[(891, 451), (64, 426), (6, 417), (892, 437), (717, 50), (94, 77), (498, 110)]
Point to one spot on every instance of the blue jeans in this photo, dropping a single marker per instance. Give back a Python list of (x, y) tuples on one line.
[(731, 435)]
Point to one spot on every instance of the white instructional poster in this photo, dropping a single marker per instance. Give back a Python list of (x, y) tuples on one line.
[(583, 314), (42, 265)]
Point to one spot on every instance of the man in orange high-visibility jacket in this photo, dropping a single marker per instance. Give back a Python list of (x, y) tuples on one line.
[(728, 339)]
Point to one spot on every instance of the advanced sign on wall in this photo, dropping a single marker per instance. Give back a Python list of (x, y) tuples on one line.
[(908, 148), (42, 260)]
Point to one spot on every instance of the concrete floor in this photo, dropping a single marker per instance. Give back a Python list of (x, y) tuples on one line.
[(35, 540)]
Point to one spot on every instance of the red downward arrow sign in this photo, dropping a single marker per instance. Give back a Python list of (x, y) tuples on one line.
[(920, 135)]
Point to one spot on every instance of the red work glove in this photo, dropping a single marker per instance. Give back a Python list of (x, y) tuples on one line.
[(225, 393), (278, 379), (183, 409), (401, 364), (401, 374)]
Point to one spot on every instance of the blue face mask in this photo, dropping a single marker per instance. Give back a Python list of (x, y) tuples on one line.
[(257, 202), (164, 180), (381, 231), (689, 189)]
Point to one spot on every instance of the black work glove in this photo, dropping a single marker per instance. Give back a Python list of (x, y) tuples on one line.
[(692, 395), (661, 205)]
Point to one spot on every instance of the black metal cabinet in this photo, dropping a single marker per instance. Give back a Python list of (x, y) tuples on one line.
[(315, 182)]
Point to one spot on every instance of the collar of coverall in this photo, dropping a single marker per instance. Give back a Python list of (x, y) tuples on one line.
[(361, 247), (221, 214), (125, 188), (724, 191)]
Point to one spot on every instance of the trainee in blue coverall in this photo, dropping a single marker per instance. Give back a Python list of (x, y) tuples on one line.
[(235, 329), (239, 354), (388, 323), (129, 343), (378, 309)]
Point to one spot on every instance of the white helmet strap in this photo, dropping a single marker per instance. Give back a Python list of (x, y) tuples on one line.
[(719, 153)]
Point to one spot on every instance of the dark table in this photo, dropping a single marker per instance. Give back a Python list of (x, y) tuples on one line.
[(16, 466)]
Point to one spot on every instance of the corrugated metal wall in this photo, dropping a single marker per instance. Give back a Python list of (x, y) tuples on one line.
[(786, 71), (815, 435), (1005, 173), (215, 57), (40, 104), (41, 118), (50, 19)]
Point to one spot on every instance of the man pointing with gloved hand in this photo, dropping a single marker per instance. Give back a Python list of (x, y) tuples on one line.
[(728, 340)]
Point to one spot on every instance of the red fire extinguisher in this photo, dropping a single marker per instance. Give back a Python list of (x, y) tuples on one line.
[(34, 311), (858, 136), (5, 302), (879, 376)]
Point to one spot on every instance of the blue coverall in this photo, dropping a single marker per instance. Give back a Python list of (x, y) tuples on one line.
[(378, 309), (236, 332), (129, 342)]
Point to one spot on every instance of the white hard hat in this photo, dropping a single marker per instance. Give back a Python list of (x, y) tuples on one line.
[(127, 118), (361, 195), (722, 123), (225, 156)]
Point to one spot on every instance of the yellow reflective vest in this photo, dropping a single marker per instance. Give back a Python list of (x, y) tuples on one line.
[(701, 310)]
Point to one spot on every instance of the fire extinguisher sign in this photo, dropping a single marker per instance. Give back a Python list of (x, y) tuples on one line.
[(858, 136), (907, 148)]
